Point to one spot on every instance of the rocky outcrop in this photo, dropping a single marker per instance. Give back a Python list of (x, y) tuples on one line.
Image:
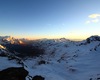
[(37, 77), (13, 73), (93, 38), (90, 39)]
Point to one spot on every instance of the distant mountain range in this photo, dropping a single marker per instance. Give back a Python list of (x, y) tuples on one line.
[(51, 59)]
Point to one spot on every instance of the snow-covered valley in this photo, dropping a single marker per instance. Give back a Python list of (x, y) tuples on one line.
[(61, 59)]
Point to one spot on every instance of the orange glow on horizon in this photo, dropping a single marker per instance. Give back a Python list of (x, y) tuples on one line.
[(72, 37)]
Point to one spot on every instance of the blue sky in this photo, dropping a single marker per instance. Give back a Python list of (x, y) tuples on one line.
[(74, 19)]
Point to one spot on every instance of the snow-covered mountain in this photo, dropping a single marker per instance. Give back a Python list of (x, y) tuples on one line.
[(62, 59), (11, 40)]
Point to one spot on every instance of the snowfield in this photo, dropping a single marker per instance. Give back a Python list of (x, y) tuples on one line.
[(62, 60)]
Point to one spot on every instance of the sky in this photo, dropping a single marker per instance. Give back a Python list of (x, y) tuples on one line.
[(35, 19)]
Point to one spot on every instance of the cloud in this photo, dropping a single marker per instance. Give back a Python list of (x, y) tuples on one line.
[(95, 20), (94, 16), (92, 21)]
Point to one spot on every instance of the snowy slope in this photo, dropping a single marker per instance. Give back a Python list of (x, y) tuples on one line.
[(68, 60), (63, 60)]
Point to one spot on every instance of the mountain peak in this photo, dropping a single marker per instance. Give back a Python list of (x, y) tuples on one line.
[(93, 38)]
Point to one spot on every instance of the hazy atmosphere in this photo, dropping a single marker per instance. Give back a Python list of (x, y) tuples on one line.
[(34, 19)]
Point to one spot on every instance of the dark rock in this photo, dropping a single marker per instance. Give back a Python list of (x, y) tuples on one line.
[(98, 78), (90, 79), (37, 77), (42, 62), (88, 40), (13, 73), (93, 38), (2, 54)]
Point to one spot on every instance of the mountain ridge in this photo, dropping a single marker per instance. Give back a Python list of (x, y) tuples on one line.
[(61, 59)]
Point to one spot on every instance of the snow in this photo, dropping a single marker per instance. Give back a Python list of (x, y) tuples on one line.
[(5, 63), (65, 60), (2, 47), (79, 63)]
